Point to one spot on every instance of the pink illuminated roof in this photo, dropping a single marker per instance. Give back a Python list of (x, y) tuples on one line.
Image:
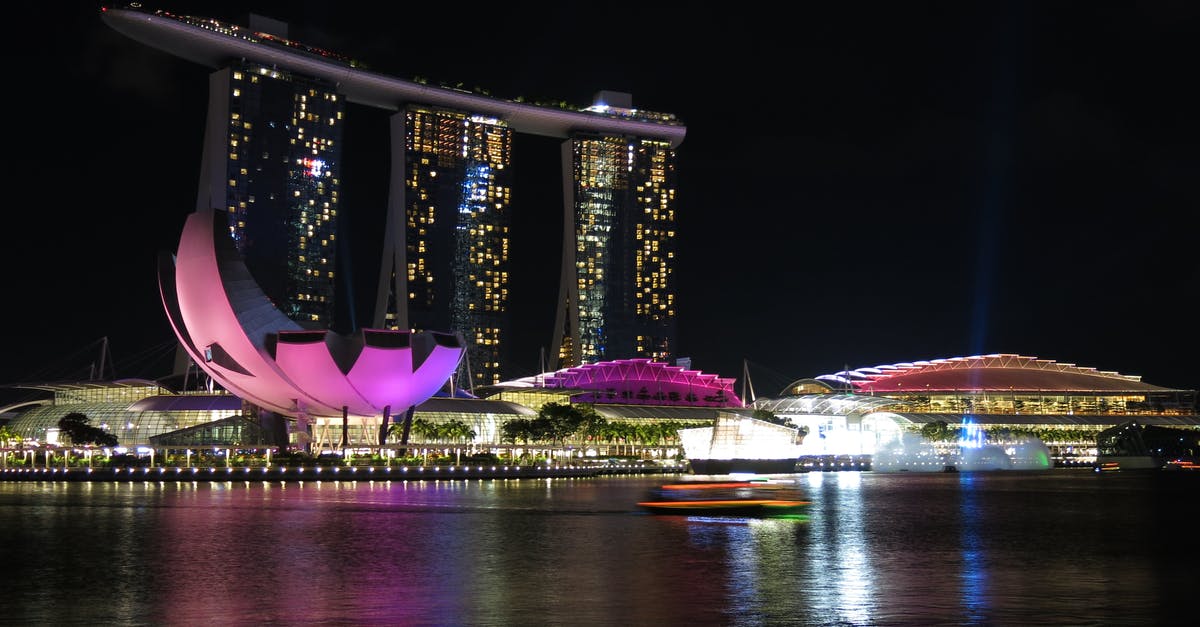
[(637, 381), (994, 372)]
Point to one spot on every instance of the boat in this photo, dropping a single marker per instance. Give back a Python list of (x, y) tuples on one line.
[(780, 466), (737, 444), (1138, 447), (750, 498)]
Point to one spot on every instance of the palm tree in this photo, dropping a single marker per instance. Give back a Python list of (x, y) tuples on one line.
[(594, 425), (457, 429), (622, 432), (427, 429)]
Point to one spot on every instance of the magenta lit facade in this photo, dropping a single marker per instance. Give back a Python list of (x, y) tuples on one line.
[(642, 382)]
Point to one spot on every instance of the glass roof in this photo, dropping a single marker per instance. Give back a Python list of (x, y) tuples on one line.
[(824, 404)]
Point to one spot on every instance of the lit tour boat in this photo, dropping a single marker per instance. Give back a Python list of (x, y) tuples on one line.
[(753, 498)]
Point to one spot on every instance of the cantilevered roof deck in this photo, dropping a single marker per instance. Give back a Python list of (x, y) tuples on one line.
[(216, 44)]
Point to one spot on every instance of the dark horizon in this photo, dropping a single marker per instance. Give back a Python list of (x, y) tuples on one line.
[(857, 187)]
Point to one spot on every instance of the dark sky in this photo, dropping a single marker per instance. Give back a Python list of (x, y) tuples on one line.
[(861, 183)]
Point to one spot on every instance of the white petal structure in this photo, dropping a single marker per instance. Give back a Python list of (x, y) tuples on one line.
[(232, 331)]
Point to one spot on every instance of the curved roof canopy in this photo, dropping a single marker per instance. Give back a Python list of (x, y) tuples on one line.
[(636, 381), (76, 386), (233, 331), (1064, 420), (212, 43), (823, 404), (981, 373)]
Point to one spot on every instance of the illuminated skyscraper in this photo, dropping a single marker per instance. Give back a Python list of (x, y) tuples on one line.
[(272, 160), (276, 138), (457, 191), (617, 294)]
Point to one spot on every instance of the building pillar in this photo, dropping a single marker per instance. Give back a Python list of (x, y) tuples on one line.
[(345, 426), (383, 425)]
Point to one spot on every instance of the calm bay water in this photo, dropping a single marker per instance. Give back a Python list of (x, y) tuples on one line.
[(1060, 547)]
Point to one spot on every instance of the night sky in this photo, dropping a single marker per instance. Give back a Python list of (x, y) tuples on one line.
[(861, 184)]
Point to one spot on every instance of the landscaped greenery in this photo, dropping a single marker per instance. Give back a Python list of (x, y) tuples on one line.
[(941, 431), (76, 428), (563, 424)]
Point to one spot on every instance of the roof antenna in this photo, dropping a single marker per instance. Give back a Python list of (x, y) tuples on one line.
[(103, 353), (746, 382)]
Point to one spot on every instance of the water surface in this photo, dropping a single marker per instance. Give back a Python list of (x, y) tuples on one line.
[(1061, 547)]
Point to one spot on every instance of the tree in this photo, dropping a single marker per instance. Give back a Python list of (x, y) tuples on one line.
[(421, 427), (767, 415), (562, 420), (458, 430), (516, 429), (937, 431), (75, 426), (593, 424)]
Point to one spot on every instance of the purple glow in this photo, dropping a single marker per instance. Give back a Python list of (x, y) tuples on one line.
[(303, 377), (387, 376), (644, 382), (311, 368)]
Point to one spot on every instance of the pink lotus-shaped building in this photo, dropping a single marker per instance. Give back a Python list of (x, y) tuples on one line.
[(234, 333)]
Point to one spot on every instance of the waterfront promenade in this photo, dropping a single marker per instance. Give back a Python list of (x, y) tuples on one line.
[(330, 473), (278, 472)]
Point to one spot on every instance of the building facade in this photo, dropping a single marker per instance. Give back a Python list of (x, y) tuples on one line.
[(999, 397), (617, 296), (272, 160), (633, 394), (454, 257), (277, 139)]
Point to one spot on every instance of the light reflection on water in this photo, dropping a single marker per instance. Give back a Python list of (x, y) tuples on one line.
[(974, 556), (1058, 547)]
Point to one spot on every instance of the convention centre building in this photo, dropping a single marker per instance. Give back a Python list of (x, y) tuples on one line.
[(845, 413)]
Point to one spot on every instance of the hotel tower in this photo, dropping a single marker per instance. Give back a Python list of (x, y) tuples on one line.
[(272, 162)]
